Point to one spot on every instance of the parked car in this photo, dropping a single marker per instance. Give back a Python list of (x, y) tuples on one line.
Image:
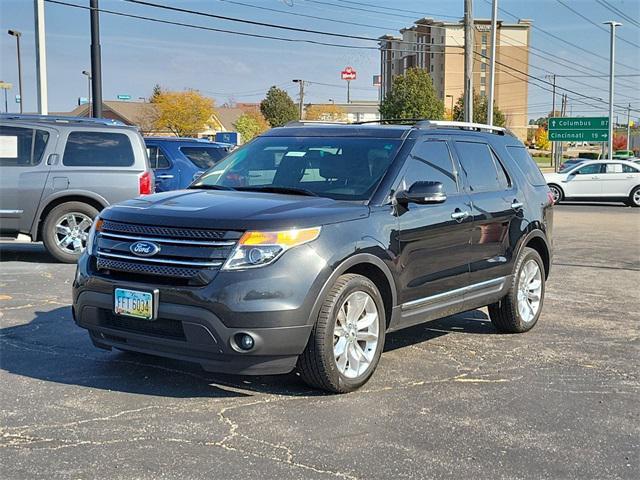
[(617, 180), (304, 247), (570, 163), (177, 162), (623, 154), (57, 173)]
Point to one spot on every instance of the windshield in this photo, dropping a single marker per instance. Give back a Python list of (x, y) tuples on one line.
[(338, 168), (204, 157), (569, 164)]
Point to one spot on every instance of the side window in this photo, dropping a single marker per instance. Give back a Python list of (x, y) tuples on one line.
[(527, 165), (431, 161), (98, 149), (613, 168), (157, 159), (479, 164), (21, 147), (629, 169), (590, 169)]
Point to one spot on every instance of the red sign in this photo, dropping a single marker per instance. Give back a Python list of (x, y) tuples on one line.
[(348, 74)]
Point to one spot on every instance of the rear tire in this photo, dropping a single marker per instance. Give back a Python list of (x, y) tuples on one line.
[(519, 310), (66, 229), (557, 193), (347, 338), (634, 197)]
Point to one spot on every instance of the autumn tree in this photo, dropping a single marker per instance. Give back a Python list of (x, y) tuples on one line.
[(480, 110), (412, 95), (326, 113), (250, 125), (155, 94), (619, 141), (542, 139), (278, 108), (182, 113)]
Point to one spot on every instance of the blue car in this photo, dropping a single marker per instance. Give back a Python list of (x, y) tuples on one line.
[(176, 162)]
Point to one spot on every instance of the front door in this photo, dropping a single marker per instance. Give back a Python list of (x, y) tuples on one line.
[(433, 258), (23, 175), (584, 181)]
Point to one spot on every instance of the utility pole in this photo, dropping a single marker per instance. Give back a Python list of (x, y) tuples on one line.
[(88, 74), (300, 83), (628, 126), (17, 34), (553, 114), (41, 57), (492, 66), (348, 91), (468, 60), (612, 61), (96, 71)]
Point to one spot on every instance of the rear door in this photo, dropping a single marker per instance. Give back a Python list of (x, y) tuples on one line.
[(165, 172), (433, 259), (496, 203), (618, 179), (23, 175)]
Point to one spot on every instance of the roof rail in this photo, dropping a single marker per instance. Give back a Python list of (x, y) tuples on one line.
[(302, 123), (60, 119), (480, 127)]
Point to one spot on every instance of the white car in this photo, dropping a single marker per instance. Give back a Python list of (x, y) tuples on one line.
[(616, 180)]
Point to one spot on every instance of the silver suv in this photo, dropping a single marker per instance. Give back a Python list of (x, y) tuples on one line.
[(57, 173)]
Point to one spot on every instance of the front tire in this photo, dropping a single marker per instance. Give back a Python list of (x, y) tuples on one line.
[(520, 309), (634, 197), (557, 193), (66, 229), (348, 337)]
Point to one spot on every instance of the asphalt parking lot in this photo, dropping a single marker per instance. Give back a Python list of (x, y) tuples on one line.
[(451, 398)]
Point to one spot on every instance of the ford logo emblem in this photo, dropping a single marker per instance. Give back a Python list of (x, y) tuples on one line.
[(144, 249)]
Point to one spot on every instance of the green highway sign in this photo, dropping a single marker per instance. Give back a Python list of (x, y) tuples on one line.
[(580, 129), (124, 97), (579, 135)]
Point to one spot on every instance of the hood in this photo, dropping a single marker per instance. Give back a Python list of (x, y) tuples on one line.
[(228, 210), (554, 177)]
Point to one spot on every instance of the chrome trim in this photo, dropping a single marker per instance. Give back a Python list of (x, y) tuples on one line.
[(460, 215), (420, 302), (160, 260), (168, 240), (11, 212), (517, 205)]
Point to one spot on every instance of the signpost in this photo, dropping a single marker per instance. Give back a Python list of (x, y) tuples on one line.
[(348, 74), (5, 86), (124, 97), (579, 129)]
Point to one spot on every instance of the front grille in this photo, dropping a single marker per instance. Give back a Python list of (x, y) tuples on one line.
[(190, 256), (160, 327)]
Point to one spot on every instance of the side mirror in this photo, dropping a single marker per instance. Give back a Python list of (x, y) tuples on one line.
[(422, 193)]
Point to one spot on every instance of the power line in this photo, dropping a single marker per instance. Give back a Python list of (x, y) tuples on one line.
[(617, 11), (398, 9), (368, 10)]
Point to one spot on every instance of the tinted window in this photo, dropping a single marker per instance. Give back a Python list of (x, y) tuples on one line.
[(157, 159), (590, 169), (431, 161), (478, 162), (335, 167), (21, 147), (204, 157), (98, 149), (629, 169), (527, 165)]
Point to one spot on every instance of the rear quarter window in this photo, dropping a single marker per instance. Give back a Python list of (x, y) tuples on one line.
[(204, 157), (98, 149), (527, 166)]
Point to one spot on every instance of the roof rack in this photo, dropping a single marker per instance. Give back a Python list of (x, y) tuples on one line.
[(60, 119), (480, 127), (302, 123)]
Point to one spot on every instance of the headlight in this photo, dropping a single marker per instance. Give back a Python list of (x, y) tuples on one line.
[(91, 238), (257, 249)]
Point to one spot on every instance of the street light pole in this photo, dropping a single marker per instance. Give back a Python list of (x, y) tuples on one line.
[(96, 69), (88, 74), (612, 60), (17, 34), (468, 61), (492, 66), (628, 126), (41, 57)]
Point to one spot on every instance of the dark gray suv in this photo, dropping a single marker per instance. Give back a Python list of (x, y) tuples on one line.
[(304, 247), (57, 173)]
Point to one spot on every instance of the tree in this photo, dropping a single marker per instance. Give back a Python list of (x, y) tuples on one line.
[(250, 124), (542, 139), (412, 96), (480, 110), (157, 91), (327, 113), (619, 141), (183, 113), (278, 108)]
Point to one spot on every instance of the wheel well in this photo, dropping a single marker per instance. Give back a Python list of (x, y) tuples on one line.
[(59, 201), (380, 280), (540, 246), (558, 187)]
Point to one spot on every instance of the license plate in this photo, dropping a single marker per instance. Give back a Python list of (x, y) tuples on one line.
[(133, 303)]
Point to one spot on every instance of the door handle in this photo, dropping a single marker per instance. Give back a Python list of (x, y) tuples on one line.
[(516, 205), (164, 177), (459, 215)]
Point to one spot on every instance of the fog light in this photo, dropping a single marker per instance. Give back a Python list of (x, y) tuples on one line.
[(245, 341)]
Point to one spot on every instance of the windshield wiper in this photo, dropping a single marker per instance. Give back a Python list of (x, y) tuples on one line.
[(276, 189), (204, 186)]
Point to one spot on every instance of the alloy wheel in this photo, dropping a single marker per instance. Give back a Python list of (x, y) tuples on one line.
[(72, 231), (529, 290), (355, 334), (555, 193), (636, 197)]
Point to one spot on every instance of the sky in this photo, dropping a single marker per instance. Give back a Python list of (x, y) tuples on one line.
[(136, 54)]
